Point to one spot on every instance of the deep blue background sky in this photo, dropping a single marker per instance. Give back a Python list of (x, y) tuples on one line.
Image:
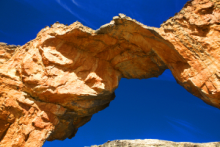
[(155, 108)]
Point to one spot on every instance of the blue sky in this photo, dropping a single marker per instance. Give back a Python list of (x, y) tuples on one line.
[(156, 108)]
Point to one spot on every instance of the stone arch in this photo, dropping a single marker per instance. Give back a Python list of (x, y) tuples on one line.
[(54, 84)]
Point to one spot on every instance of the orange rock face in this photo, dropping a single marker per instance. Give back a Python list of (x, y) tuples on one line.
[(6, 52), (194, 33), (53, 85)]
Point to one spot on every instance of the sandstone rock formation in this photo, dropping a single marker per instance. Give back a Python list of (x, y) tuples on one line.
[(53, 84), (6, 52), (154, 143), (194, 32)]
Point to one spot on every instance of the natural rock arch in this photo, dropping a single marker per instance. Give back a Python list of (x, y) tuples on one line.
[(54, 84)]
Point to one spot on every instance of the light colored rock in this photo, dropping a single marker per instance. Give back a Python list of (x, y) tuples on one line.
[(53, 84), (154, 143)]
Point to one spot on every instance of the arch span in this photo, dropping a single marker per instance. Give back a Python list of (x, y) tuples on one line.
[(55, 83)]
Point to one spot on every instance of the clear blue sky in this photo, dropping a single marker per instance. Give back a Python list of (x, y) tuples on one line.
[(155, 108)]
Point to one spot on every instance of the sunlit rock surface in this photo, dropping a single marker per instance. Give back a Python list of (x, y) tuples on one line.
[(154, 143), (6, 52), (53, 84), (194, 32)]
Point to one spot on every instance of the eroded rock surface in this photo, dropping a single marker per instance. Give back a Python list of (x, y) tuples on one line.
[(154, 143), (6, 52), (53, 84), (194, 32)]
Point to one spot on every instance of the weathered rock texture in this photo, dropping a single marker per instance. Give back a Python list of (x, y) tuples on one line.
[(155, 143), (53, 85), (6, 52), (194, 32)]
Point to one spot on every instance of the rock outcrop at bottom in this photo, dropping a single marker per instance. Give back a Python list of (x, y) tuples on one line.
[(52, 85), (155, 143)]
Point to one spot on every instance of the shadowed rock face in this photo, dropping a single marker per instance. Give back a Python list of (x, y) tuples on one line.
[(53, 84), (154, 143)]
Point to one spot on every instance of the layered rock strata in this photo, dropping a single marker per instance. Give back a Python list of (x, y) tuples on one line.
[(154, 143), (53, 84)]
